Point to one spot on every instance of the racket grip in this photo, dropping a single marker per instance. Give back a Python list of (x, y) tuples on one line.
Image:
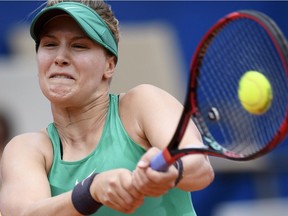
[(159, 163)]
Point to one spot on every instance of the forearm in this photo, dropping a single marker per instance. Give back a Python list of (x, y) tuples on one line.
[(197, 173), (73, 203), (58, 205)]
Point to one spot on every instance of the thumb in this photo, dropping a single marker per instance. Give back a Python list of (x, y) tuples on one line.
[(144, 162)]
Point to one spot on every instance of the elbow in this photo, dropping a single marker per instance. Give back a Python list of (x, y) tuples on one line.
[(200, 176), (207, 176)]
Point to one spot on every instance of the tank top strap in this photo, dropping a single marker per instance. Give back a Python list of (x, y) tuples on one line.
[(55, 139)]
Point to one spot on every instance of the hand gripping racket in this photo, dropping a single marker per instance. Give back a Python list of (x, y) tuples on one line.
[(240, 42)]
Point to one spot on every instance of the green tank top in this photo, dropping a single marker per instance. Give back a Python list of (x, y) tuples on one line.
[(114, 150)]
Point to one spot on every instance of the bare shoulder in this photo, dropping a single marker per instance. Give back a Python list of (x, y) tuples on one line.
[(145, 109), (146, 93), (35, 140), (34, 146)]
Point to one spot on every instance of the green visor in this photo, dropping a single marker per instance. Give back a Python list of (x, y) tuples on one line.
[(91, 23)]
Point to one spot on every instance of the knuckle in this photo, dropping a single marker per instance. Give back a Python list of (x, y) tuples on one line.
[(109, 193)]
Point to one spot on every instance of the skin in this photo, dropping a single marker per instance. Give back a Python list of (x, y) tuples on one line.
[(74, 74)]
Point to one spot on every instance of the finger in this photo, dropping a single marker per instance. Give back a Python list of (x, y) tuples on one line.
[(144, 162), (146, 187), (162, 177), (139, 179), (126, 181), (135, 193), (131, 197), (120, 208), (121, 201)]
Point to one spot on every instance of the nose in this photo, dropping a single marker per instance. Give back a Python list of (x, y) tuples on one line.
[(62, 57)]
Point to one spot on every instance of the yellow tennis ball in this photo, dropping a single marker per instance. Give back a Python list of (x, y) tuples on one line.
[(255, 92)]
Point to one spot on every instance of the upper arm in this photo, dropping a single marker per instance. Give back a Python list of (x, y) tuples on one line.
[(24, 173), (156, 115)]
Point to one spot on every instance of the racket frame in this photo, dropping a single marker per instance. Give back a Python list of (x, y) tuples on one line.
[(171, 153)]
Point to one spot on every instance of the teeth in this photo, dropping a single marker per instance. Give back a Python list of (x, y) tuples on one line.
[(62, 77)]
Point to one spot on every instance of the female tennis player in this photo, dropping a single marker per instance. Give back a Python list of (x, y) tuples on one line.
[(94, 158)]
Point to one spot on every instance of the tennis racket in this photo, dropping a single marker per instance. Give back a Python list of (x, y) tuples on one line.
[(241, 41)]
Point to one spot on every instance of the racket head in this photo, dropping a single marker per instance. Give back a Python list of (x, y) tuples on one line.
[(240, 42)]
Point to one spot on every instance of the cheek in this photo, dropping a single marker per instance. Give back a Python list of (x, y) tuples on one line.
[(44, 86), (43, 62), (92, 68), (42, 67)]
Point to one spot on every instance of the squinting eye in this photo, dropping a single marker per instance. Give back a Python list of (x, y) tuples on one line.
[(80, 46), (48, 44)]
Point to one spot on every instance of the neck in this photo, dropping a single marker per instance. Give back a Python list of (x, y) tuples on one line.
[(81, 125)]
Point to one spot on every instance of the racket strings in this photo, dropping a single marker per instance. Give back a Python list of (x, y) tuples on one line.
[(222, 45), (241, 46), (263, 57)]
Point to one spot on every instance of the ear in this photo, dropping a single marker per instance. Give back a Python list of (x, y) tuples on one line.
[(110, 67)]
